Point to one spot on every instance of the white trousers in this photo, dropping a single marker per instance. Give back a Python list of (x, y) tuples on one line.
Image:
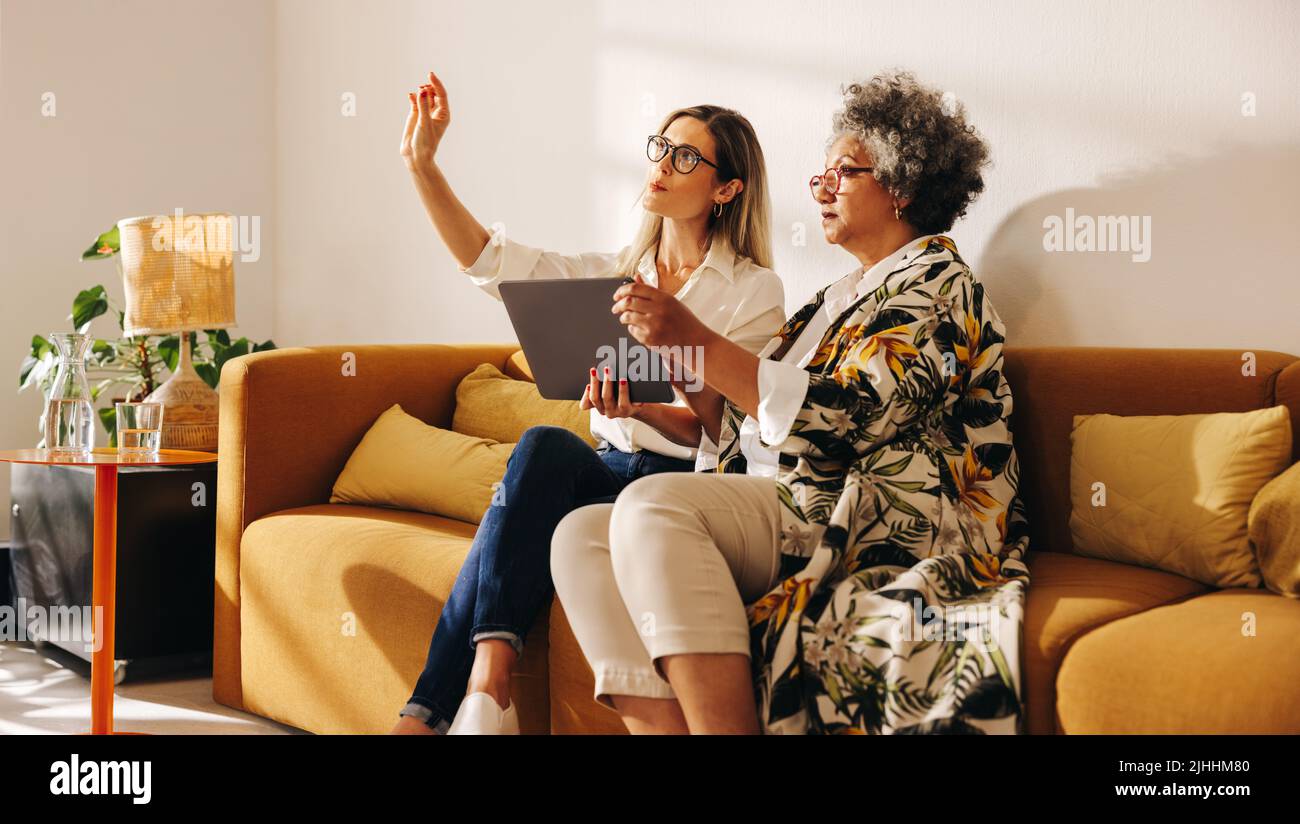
[(665, 570)]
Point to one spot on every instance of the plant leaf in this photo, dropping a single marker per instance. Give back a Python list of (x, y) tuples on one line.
[(104, 353), (169, 351), (209, 373), (39, 347), (108, 417), (106, 245), (24, 370), (88, 305), (234, 350), (39, 370), (98, 389)]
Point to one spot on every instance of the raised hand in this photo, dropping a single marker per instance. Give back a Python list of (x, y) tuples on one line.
[(426, 123)]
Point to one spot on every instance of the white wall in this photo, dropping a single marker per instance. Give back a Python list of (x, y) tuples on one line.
[(1106, 107), (157, 106), (1103, 107)]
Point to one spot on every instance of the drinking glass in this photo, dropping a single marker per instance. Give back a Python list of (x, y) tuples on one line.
[(139, 426)]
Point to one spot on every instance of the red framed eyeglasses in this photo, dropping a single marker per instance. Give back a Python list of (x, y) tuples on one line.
[(831, 178)]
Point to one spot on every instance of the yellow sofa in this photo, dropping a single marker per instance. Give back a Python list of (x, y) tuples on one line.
[(324, 611)]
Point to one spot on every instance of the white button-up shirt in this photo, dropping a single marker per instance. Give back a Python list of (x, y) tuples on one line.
[(782, 384), (730, 294)]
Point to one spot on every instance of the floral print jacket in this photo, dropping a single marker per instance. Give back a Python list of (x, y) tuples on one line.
[(900, 602)]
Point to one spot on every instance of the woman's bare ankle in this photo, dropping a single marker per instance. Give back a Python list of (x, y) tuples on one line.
[(410, 725), (494, 660)]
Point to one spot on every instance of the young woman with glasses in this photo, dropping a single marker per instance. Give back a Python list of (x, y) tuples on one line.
[(705, 240)]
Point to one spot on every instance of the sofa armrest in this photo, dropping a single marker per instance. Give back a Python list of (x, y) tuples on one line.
[(289, 420)]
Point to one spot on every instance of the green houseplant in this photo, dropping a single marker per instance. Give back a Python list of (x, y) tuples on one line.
[(132, 363)]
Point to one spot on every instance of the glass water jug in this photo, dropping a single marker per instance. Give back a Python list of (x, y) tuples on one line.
[(69, 414)]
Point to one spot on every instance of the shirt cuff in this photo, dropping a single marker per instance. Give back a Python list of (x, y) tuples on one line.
[(501, 259), (489, 260), (706, 454), (782, 388)]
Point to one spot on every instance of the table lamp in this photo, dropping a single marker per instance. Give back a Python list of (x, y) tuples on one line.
[(179, 277)]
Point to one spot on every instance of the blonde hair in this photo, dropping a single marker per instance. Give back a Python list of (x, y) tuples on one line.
[(745, 222)]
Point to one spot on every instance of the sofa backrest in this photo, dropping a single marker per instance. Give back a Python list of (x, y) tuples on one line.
[(1052, 384)]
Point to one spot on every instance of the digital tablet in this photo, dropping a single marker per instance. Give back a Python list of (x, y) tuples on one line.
[(565, 328)]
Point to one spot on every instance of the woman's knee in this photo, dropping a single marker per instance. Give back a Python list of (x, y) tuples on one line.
[(578, 534), (549, 439), (543, 449), (643, 506)]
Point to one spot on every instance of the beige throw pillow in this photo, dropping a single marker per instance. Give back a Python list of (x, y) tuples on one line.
[(404, 463), (1176, 489), (491, 404), (1274, 527)]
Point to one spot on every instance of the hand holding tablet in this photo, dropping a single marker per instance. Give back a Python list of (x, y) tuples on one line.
[(568, 327), (609, 397), (656, 318)]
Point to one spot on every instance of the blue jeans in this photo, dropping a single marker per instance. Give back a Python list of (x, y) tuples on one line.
[(506, 578)]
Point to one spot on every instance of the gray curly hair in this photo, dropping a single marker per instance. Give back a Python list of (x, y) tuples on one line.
[(920, 144)]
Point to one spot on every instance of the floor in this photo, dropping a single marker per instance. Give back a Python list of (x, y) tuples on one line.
[(48, 691)]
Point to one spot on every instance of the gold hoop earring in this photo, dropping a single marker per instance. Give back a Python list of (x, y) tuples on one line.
[(897, 212)]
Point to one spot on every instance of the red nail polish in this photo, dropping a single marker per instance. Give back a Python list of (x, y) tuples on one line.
[(622, 380)]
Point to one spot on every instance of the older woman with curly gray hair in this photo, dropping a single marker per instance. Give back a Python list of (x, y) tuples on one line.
[(865, 491)]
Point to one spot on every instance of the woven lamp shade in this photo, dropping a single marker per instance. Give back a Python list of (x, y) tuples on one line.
[(178, 273)]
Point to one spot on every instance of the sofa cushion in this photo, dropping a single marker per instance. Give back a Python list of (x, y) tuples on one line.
[(1274, 528), (338, 604), (1175, 489), (1190, 667), (491, 404), (404, 463), (1052, 384), (1070, 596), (517, 367)]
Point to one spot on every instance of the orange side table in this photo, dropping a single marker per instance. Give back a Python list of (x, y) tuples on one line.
[(106, 460)]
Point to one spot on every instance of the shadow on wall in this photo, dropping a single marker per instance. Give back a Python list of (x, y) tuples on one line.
[(1215, 231)]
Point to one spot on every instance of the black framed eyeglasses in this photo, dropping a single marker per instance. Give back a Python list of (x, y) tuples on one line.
[(831, 178), (685, 159)]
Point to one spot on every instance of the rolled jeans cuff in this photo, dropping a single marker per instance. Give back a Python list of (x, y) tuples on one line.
[(425, 714), (504, 635)]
